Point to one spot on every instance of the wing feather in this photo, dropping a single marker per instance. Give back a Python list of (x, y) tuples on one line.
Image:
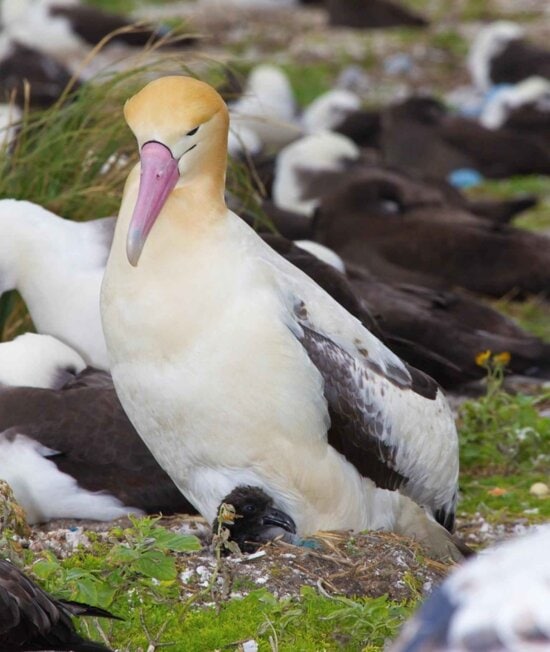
[(389, 420)]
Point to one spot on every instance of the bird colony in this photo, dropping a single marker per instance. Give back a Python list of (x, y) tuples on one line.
[(296, 288)]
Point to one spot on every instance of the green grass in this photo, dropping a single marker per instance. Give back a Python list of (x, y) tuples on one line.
[(516, 501), (505, 433), (535, 219), (309, 81), (532, 314), (134, 572), (125, 6), (504, 446)]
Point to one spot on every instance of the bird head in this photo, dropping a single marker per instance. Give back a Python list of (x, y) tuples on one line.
[(255, 519), (180, 124)]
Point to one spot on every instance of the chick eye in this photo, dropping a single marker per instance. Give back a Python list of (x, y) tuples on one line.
[(192, 132), (248, 508)]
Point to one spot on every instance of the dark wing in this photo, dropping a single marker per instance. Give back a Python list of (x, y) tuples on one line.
[(98, 445), (93, 24), (31, 620), (387, 423), (47, 78)]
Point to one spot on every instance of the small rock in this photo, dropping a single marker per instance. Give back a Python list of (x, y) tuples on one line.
[(398, 64), (250, 646), (539, 489)]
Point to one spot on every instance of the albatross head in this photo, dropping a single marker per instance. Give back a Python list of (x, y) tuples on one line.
[(181, 126)]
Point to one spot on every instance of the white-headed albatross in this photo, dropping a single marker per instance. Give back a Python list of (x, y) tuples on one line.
[(237, 369)]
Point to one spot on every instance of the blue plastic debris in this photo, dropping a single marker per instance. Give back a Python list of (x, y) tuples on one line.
[(465, 178)]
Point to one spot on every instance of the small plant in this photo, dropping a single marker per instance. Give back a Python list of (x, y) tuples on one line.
[(500, 431), (141, 559)]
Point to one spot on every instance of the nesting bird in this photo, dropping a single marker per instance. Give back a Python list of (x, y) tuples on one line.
[(66, 30), (66, 446), (253, 519), (236, 368), (500, 54), (377, 220)]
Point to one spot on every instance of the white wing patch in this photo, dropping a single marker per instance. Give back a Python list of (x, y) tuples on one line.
[(46, 493)]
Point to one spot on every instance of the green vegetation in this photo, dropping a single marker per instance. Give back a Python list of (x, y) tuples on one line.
[(135, 572), (125, 6), (532, 314), (73, 159), (534, 219), (505, 448), (310, 81), (503, 431)]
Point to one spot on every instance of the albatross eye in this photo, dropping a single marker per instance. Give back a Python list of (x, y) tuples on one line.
[(192, 132)]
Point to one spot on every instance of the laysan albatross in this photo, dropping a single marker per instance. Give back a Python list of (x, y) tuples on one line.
[(236, 368)]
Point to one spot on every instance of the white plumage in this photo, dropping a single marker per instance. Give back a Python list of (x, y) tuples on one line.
[(44, 491), (323, 253), (329, 109), (320, 152), (226, 357), (57, 266), (489, 43), (30, 22), (266, 108), (32, 360), (498, 602), (533, 90)]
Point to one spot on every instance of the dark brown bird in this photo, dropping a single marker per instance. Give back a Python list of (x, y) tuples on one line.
[(81, 431), (500, 54), (30, 619), (363, 126), (519, 60), (92, 24), (46, 78), (370, 14), (374, 222), (439, 332), (421, 138)]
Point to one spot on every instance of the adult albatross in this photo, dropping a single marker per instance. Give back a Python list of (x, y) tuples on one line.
[(236, 368)]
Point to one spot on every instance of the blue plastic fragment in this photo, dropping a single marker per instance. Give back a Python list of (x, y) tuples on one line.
[(465, 178)]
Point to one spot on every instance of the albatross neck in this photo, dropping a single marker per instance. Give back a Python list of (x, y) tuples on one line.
[(203, 196)]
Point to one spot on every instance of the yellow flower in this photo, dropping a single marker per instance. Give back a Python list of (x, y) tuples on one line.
[(482, 358), (502, 358)]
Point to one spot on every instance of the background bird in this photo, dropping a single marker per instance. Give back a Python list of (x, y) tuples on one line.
[(30, 619)]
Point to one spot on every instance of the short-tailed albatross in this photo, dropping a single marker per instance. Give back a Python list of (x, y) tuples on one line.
[(236, 368)]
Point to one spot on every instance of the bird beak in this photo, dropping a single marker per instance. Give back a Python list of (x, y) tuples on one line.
[(159, 175), (279, 519)]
